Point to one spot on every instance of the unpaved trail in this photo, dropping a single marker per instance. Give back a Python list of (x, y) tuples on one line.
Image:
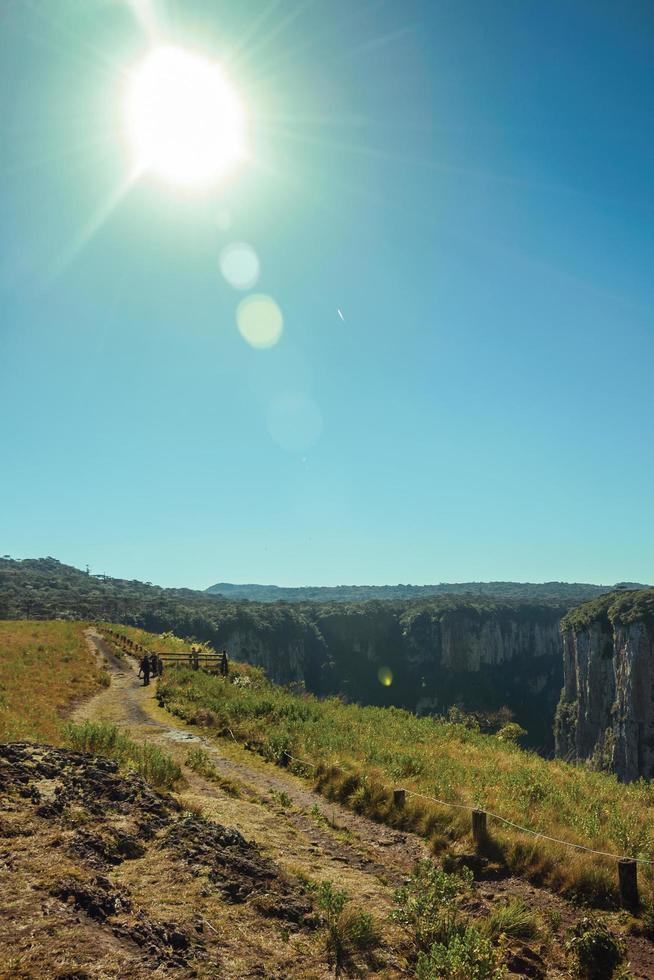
[(303, 832), (296, 826)]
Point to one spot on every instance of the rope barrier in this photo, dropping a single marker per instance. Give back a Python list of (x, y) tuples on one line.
[(303, 762), (527, 830), (497, 816), (472, 809)]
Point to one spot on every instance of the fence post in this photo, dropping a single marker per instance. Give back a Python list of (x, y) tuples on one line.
[(399, 798), (479, 826), (628, 882)]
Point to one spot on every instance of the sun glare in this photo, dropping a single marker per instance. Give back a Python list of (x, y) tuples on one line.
[(185, 122)]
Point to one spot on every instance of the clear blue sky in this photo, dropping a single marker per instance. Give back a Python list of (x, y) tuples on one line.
[(469, 182)]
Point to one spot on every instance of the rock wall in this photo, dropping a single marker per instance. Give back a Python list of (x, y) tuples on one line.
[(425, 657), (606, 711), (429, 657)]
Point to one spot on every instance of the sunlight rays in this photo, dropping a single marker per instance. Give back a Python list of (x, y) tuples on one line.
[(99, 217), (146, 17)]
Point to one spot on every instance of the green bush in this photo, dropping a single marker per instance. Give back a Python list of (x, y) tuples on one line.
[(468, 955), (595, 951), (422, 901)]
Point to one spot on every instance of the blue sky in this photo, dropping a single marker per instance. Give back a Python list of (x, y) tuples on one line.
[(468, 182)]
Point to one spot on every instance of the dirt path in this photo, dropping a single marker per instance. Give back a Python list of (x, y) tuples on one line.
[(299, 829)]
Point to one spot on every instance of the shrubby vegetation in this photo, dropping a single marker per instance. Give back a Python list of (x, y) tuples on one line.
[(622, 607), (448, 943), (361, 753), (595, 951)]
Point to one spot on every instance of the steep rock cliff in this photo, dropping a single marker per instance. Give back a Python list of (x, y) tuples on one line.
[(427, 656), (606, 711)]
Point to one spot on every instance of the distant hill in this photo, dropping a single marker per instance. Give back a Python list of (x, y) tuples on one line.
[(572, 592)]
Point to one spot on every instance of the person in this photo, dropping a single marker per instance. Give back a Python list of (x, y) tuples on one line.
[(224, 664), (196, 658), (159, 666), (153, 665), (144, 669)]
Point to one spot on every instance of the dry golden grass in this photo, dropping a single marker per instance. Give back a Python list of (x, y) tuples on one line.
[(44, 667)]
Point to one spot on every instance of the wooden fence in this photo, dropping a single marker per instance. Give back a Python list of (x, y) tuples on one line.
[(209, 662)]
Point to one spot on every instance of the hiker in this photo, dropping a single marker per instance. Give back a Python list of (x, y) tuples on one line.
[(224, 664), (196, 659), (159, 666), (144, 669), (153, 665)]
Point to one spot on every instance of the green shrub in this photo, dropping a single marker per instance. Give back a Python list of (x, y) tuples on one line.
[(468, 955), (595, 951), (646, 925), (421, 902)]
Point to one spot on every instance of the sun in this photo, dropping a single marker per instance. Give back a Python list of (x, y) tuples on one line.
[(184, 120)]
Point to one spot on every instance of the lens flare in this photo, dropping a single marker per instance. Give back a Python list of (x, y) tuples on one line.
[(260, 320), (239, 264), (385, 676)]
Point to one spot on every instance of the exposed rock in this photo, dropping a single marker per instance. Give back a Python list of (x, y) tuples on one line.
[(77, 820), (606, 711)]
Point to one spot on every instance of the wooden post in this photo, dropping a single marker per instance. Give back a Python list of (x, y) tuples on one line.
[(628, 882), (399, 798), (479, 826)]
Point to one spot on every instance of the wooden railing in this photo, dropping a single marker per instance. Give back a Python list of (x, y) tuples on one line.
[(210, 662)]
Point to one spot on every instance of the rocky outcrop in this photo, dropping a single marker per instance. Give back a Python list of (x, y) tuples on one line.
[(429, 656), (606, 711)]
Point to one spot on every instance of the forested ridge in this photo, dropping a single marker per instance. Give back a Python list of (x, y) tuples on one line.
[(428, 654), (572, 592)]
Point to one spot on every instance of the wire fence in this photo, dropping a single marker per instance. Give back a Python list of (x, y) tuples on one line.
[(628, 884), (496, 816)]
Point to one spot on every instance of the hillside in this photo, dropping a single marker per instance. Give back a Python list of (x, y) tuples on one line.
[(563, 592), (253, 866)]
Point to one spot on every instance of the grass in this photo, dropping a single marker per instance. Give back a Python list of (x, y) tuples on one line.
[(102, 738), (199, 760), (513, 919), (361, 753), (44, 667)]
